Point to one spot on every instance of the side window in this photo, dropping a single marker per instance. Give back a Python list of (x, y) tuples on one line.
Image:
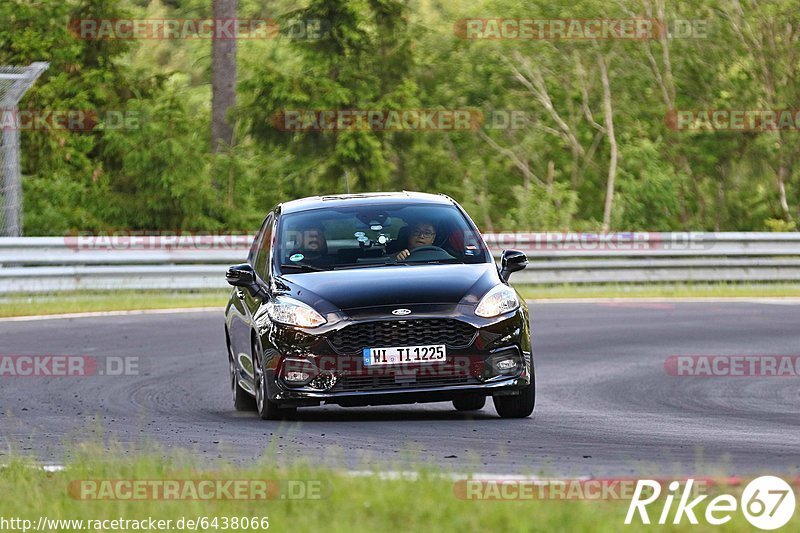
[(262, 253), (251, 256)]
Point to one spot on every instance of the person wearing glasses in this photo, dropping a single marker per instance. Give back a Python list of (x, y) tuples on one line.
[(421, 234), (308, 245)]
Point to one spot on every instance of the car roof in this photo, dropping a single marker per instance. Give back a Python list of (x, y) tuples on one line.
[(372, 198)]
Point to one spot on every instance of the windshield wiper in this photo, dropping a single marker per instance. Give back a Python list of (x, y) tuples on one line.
[(365, 265), (304, 267)]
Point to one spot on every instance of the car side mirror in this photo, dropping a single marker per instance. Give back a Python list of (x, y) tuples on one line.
[(512, 261), (243, 276)]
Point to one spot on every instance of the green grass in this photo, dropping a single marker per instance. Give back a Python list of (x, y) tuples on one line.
[(699, 290), (80, 302), (346, 503)]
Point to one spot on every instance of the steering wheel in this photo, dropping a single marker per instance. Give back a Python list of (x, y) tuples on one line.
[(429, 253), (429, 248)]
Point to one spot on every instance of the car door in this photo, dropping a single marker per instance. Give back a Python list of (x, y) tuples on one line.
[(245, 305)]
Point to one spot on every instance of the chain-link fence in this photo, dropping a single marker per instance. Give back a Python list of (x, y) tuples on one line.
[(14, 82)]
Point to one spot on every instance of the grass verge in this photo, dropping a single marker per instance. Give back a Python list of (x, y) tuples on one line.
[(683, 290), (98, 486), (83, 302)]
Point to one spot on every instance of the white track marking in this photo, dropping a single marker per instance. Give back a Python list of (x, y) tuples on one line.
[(115, 313), (737, 299)]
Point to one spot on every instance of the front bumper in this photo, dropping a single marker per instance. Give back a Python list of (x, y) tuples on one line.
[(496, 361), (300, 398)]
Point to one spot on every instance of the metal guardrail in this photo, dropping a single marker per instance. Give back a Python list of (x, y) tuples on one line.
[(48, 264)]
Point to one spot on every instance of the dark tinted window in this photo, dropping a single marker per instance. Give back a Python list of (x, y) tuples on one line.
[(359, 235), (251, 256), (264, 245)]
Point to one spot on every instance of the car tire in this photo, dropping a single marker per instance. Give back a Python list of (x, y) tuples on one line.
[(473, 402), (518, 406), (267, 409)]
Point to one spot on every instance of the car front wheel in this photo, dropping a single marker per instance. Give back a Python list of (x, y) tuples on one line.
[(242, 401), (267, 409)]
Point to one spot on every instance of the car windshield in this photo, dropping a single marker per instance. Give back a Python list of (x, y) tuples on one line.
[(371, 236)]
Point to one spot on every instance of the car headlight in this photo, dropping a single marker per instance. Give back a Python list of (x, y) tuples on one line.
[(499, 300), (294, 312)]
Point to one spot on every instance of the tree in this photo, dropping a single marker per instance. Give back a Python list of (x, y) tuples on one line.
[(223, 77), (362, 62)]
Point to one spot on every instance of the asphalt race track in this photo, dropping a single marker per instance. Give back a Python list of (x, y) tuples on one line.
[(605, 403)]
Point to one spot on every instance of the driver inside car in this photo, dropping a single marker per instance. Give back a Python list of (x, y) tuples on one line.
[(309, 246), (421, 234)]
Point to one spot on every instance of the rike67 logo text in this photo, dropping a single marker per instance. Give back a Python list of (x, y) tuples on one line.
[(767, 502)]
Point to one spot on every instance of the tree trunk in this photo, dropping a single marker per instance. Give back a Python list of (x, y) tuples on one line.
[(223, 78), (782, 173), (612, 141)]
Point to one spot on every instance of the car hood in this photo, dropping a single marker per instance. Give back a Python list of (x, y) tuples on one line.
[(394, 285)]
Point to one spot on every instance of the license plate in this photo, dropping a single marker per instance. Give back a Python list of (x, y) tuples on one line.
[(404, 354)]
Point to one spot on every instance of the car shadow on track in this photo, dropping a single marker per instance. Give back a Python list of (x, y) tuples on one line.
[(360, 414), (383, 415)]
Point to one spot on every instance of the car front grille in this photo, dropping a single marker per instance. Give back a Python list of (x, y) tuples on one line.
[(395, 333)]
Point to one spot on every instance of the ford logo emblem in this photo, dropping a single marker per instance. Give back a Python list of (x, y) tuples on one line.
[(401, 312)]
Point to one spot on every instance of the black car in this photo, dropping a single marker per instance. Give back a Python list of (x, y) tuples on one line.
[(374, 299)]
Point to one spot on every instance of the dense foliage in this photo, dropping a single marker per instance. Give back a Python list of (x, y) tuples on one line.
[(550, 171)]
